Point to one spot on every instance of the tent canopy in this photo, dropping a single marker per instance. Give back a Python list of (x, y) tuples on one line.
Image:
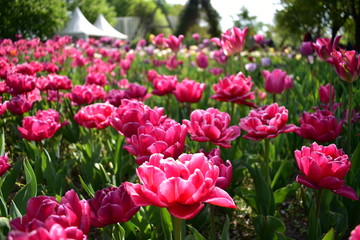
[(109, 31), (80, 27)]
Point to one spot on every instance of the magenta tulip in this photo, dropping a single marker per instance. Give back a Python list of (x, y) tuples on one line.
[(320, 126), (233, 41), (4, 164), (111, 205), (355, 234), (324, 93), (346, 64), (202, 61), (189, 91), (276, 81), (211, 125), (182, 186), (164, 84), (324, 167), (95, 115), (236, 89), (266, 122)]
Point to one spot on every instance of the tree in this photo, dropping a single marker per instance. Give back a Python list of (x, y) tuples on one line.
[(245, 20), (31, 18), (191, 16)]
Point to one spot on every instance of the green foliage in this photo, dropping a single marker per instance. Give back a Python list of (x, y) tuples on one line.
[(41, 18), (92, 8)]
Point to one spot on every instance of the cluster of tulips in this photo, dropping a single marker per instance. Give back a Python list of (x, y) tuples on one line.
[(151, 126)]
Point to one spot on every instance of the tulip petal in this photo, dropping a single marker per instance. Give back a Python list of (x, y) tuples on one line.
[(303, 180), (220, 198), (346, 191), (185, 211)]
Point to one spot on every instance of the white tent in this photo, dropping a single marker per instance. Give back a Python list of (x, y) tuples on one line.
[(80, 27), (104, 25)]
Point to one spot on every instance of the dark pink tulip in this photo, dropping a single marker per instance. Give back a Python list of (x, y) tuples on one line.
[(3, 106), (20, 83), (159, 40), (346, 64), (86, 94), (225, 169), (276, 81), (306, 48), (136, 91), (132, 114), (216, 71), (236, 89), (320, 126), (324, 93), (196, 36), (111, 205), (4, 164), (45, 218), (211, 125), (18, 105), (50, 67), (95, 115), (53, 82), (168, 139), (172, 63), (219, 57), (202, 60), (164, 84), (355, 234), (151, 75), (323, 48), (259, 39), (233, 41), (182, 186), (324, 167), (125, 64), (39, 127), (189, 91), (174, 43), (96, 78), (114, 97), (266, 122)]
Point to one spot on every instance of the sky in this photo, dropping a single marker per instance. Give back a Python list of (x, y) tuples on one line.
[(264, 10)]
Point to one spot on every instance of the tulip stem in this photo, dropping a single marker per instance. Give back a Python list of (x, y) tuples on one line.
[(267, 170), (212, 222), (177, 226), (349, 117), (318, 206)]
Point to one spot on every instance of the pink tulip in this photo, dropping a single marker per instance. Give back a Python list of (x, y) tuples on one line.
[(132, 114), (174, 43), (346, 64), (86, 94), (233, 41), (266, 122), (45, 218), (323, 48), (202, 61), (20, 83), (111, 205), (320, 126), (19, 105), (219, 57), (168, 139), (277, 81), (151, 75), (236, 89), (189, 91), (136, 91), (43, 125), (225, 169), (182, 186), (96, 78), (95, 115), (324, 167), (211, 125), (259, 39), (164, 84), (172, 63), (216, 71), (306, 48), (4, 164), (159, 40), (324, 93), (355, 234), (114, 97)]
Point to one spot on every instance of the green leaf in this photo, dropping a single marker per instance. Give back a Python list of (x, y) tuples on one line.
[(3, 207), (264, 196), (281, 194), (166, 223), (330, 235), (87, 187), (29, 190), (267, 226), (2, 142), (10, 180), (118, 232), (355, 163), (225, 231), (196, 233), (14, 210)]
